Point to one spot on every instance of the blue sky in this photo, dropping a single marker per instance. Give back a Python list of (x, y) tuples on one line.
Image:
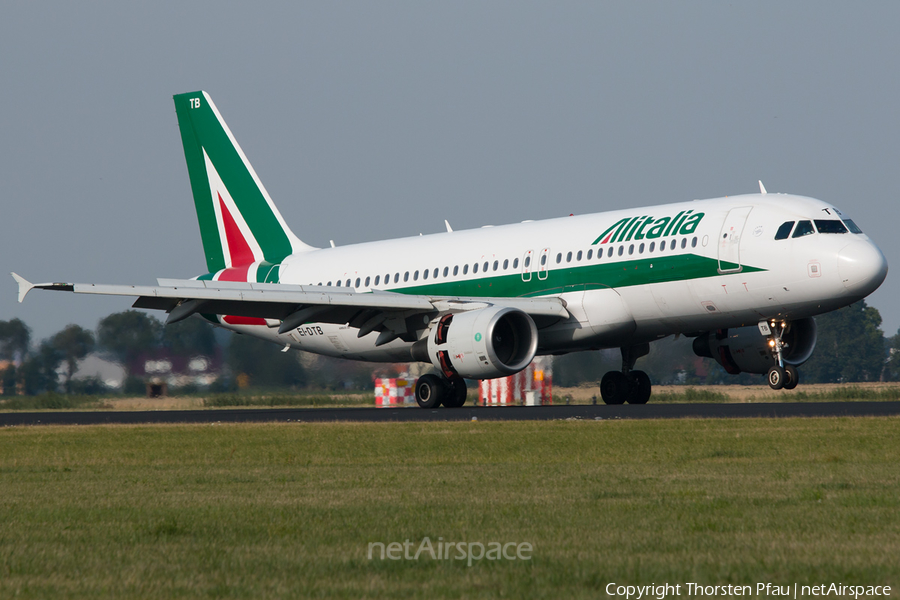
[(376, 120)]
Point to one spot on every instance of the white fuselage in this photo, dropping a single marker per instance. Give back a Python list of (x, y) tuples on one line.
[(728, 270)]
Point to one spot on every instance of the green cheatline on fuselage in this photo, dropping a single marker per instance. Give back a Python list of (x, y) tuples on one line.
[(661, 269), (642, 271)]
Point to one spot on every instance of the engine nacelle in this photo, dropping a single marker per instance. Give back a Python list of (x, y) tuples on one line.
[(484, 343), (746, 349)]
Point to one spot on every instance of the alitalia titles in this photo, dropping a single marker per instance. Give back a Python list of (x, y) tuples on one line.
[(649, 227)]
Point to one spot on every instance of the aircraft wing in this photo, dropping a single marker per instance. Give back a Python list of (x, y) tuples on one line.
[(290, 306)]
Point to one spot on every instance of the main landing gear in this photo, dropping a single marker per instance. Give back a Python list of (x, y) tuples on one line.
[(433, 391), (634, 387), (781, 375)]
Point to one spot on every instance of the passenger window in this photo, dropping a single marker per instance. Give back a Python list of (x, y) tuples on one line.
[(694, 243), (455, 270), (830, 226), (416, 276), (804, 228), (609, 252), (348, 283), (854, 228), (465, 269), (515, 263), (377, 279), (475, 268), (367, 282), (578, 256), (569, 257), (641, 248), (406, 277), (784, 231), (630, 249), (357, 282), (505, 263), (484, 267), (590, 254), (447, 271), (543, 259), (435, 274), (621, 250), (496, 264), (397, 277), (683, 243), (662, 245), (652, 246), (329, 284), (424, 274), (559, 258)]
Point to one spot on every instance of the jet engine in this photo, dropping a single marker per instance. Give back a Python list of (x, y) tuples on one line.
[(746, 349), (481, 344)]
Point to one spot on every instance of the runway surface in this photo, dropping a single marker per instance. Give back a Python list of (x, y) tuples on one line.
[(511, 413)]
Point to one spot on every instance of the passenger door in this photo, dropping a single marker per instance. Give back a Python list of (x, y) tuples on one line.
[(730, 239)]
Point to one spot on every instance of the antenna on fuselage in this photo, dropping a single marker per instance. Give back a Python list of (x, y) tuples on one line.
[(762, 188), (447, 223)]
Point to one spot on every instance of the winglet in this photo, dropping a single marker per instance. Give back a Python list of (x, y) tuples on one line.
[(25, 286), (447, 224), (762, 188)]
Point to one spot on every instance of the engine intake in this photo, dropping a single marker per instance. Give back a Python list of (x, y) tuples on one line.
[(484, 343), (745, 349)]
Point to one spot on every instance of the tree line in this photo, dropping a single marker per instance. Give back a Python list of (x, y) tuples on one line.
[(851, 347), (127, 338)]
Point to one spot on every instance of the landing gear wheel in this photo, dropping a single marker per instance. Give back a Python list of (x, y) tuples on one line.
[(793, 377), (641, 388), (455, 394), (776, 377), (430, 390), (615, 387)]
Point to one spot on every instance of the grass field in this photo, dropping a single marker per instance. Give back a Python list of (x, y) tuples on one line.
[(288, 510)]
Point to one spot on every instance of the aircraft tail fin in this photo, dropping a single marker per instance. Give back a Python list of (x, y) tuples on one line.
[(239, 224)]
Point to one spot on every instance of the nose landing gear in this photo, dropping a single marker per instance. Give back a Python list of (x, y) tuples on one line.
[(781, 375)]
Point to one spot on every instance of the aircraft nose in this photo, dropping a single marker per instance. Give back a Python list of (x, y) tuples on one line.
[(862, 267)]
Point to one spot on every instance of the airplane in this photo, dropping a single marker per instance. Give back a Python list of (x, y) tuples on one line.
[(743, 275)]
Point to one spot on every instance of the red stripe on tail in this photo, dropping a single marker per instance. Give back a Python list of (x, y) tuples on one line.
[(238, 247)]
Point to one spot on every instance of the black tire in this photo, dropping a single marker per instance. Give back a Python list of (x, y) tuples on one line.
[(615, 387), (793, 377), (776, 377), (455, 395), (429, 391), (641, 388)]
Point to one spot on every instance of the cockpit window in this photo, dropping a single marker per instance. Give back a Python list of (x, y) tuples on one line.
[(784, 231), (853, 227), (830, 226), (803, 228)]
